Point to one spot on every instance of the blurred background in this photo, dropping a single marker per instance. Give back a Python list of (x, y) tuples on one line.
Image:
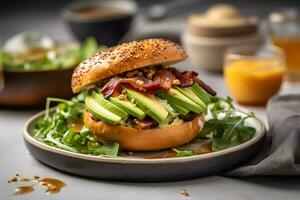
[(45, 16), (254, 43)]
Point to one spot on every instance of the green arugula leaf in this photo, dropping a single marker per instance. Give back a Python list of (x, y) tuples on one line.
[(72, 138), (56, 141), (184, 153), (245, 133), (224, 143), (109, 149), (229, 130), (207, 129), (53, 129)]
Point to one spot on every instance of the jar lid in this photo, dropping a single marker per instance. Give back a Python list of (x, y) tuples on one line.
[(222, 20), (285, 14)]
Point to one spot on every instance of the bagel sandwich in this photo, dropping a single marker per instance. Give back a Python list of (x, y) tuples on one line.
[(137, 98)]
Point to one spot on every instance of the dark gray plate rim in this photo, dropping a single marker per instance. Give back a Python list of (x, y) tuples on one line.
[(260, 126)]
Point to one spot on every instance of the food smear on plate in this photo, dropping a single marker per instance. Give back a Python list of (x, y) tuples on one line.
[(196, 147), (254, 81), (130, 101)]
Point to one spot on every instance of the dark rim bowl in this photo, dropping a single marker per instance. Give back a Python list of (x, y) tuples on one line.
[(68, 11), (143, 170), (31, 88), (108, 31)]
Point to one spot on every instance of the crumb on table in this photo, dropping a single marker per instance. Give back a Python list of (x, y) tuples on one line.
[(184, 192)]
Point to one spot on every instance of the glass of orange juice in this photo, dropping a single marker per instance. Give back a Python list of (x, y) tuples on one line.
[(284, 26), (254, 73)]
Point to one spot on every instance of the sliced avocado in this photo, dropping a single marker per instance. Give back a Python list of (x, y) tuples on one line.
[(110, 106), (188, 92), (149, 104), (175, 97), (127, 106), (201, 93), (167, 106), (100, 112), (180, 109)]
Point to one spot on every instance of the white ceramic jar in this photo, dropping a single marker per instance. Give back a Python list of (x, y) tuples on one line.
[(208, 52), (207, 36)]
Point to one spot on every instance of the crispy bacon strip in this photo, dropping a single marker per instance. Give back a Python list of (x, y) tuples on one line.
[(165, 78), (144, 123), (206, 87), (139, 83), (186, 78)]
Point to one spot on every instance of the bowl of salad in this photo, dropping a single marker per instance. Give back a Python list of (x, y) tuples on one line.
[(35, 67)]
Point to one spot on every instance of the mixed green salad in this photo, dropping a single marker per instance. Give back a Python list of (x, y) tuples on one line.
[(225, 127), (60, 57)]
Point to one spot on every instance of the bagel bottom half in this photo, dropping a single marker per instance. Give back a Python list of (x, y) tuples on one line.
[(145, 140)]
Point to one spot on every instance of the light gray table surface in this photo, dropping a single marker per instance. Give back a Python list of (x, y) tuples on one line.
[(14, 157)]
